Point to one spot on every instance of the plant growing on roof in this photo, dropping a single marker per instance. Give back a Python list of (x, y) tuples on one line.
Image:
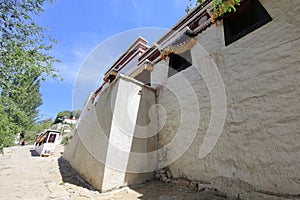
[(220, 7), (192, 3)]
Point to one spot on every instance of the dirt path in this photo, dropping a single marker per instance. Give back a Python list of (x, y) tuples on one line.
[(23, 175)]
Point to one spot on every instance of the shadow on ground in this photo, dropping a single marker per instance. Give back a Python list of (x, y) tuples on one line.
[(159, 190), (33, 153), (147, 191), (69, 175)]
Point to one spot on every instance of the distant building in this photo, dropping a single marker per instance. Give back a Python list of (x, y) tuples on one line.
[(70, 121)]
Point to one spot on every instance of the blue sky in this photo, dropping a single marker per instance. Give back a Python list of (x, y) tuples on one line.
[(82, 26)]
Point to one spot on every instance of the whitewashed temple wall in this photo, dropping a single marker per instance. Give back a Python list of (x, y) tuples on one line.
[(258, 148), (116, 125)]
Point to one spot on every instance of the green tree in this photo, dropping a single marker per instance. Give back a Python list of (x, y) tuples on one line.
[(76, 114), (25, 60), (24, 47), (62, 115), (23, 100), (6, 129), (67, 114)]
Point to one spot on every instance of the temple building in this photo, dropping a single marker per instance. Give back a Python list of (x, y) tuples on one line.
[(215, 100)]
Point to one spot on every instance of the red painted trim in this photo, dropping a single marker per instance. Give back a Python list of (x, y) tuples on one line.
[(139, 46)]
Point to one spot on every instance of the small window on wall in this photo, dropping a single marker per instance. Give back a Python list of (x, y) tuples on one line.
[(250, 15), (179, 62), (52, 138)]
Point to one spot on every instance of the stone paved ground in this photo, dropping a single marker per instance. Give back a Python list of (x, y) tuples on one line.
[(23, 175)]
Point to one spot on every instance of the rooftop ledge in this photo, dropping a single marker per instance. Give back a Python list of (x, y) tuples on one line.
[(195, 22), (179, 38)]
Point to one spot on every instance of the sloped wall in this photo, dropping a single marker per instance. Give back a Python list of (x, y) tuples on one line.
[(258, 149), (101, 149)]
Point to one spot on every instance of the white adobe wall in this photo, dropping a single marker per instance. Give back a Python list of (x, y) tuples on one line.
[(101, 150), (259, 145)]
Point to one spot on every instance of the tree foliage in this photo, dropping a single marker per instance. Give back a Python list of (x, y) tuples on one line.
[(6, 129), (62, 115), (67, 115), (24, 46), (219, 6), (25, 61)]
